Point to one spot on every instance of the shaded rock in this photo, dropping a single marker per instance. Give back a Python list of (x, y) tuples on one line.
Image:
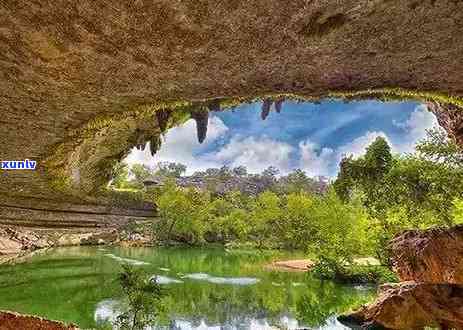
[(17, 241), (88, 238), (411, 305), (450, 117), (431, 256), (155, 144), (266, 104), (163, 119), (202, 120), (278, 105), (136, 239), (214, 105), (15, 321)]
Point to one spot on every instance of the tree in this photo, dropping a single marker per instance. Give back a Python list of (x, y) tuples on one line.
[(378, 158), (183, 213), (144, 299), (120, 175), (437, 147), (171, 170), (404, 192), (140, 173), (240, 171)]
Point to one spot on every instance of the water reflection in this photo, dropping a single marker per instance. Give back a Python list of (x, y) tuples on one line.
[(207, 289), (108, 310)]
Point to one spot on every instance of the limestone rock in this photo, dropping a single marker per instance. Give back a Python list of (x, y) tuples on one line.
[(15, 321), (411, 305), (431, 256), (88, 238), (17, 241)]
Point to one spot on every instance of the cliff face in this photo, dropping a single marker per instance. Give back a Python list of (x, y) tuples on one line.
[(411, 305), (430, 264), (432, 256), (77, 77)]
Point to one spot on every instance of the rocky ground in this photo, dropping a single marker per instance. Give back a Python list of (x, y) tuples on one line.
[(430, 294), (15, 321), (17, 242)]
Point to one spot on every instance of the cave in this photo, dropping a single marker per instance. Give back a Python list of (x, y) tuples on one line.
[(83, 83)]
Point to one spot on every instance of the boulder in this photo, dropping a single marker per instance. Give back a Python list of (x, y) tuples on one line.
[(411, 305), (14, 241), (15, 321), (430, 265), (431, 256)]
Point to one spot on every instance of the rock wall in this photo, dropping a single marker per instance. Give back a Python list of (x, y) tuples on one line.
[(411, 305), (430, 265), (432, 256), (74, 76)]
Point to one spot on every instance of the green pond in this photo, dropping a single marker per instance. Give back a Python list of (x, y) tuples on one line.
[(206, 289)]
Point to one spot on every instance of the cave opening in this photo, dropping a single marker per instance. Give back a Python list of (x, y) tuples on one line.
[(283, 134)]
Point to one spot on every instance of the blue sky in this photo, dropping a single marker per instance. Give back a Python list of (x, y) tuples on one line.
[(310, 136)]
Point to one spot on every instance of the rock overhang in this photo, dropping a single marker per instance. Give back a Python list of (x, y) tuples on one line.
[(82, 82)]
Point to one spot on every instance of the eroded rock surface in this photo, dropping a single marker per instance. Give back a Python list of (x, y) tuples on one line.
[(450, 117), (430, 264), (431, 256), (65, 65), (16, 321), (411, 305)]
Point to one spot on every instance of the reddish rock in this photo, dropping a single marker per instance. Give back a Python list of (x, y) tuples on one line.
[(411, 305), (431, 256), (15, 321)]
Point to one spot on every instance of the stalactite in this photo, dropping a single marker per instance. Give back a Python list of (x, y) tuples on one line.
[(155, 144), (140, 140), (279, 104), (202, 119), (214, 105), (163, 119), (266, 104)]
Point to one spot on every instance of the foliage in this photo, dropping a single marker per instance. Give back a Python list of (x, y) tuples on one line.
[(120, 175), (403, 192), (353, 273), (144, 297), (170, 170), (140, 173), (318, 225)]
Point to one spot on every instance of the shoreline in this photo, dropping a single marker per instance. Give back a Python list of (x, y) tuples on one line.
[(294, 265)]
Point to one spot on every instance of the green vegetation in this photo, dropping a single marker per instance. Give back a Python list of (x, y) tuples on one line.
[(80, 285), (419, 190), (374, 197), (143, 296)]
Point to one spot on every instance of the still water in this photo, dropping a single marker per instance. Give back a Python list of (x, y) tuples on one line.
[(207, 289)]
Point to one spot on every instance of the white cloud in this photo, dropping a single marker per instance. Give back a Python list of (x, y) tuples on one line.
[(415, 127), (316, 161), (180, 145), (324, 161), (257, 153), (254, 153)]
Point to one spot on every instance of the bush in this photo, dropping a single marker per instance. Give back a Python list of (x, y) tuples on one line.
[(143, 296)]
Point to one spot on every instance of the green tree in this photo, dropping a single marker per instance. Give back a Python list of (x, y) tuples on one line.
[(140, 173), (183, 213), (171, 170), (120, 175), (143, 296)]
